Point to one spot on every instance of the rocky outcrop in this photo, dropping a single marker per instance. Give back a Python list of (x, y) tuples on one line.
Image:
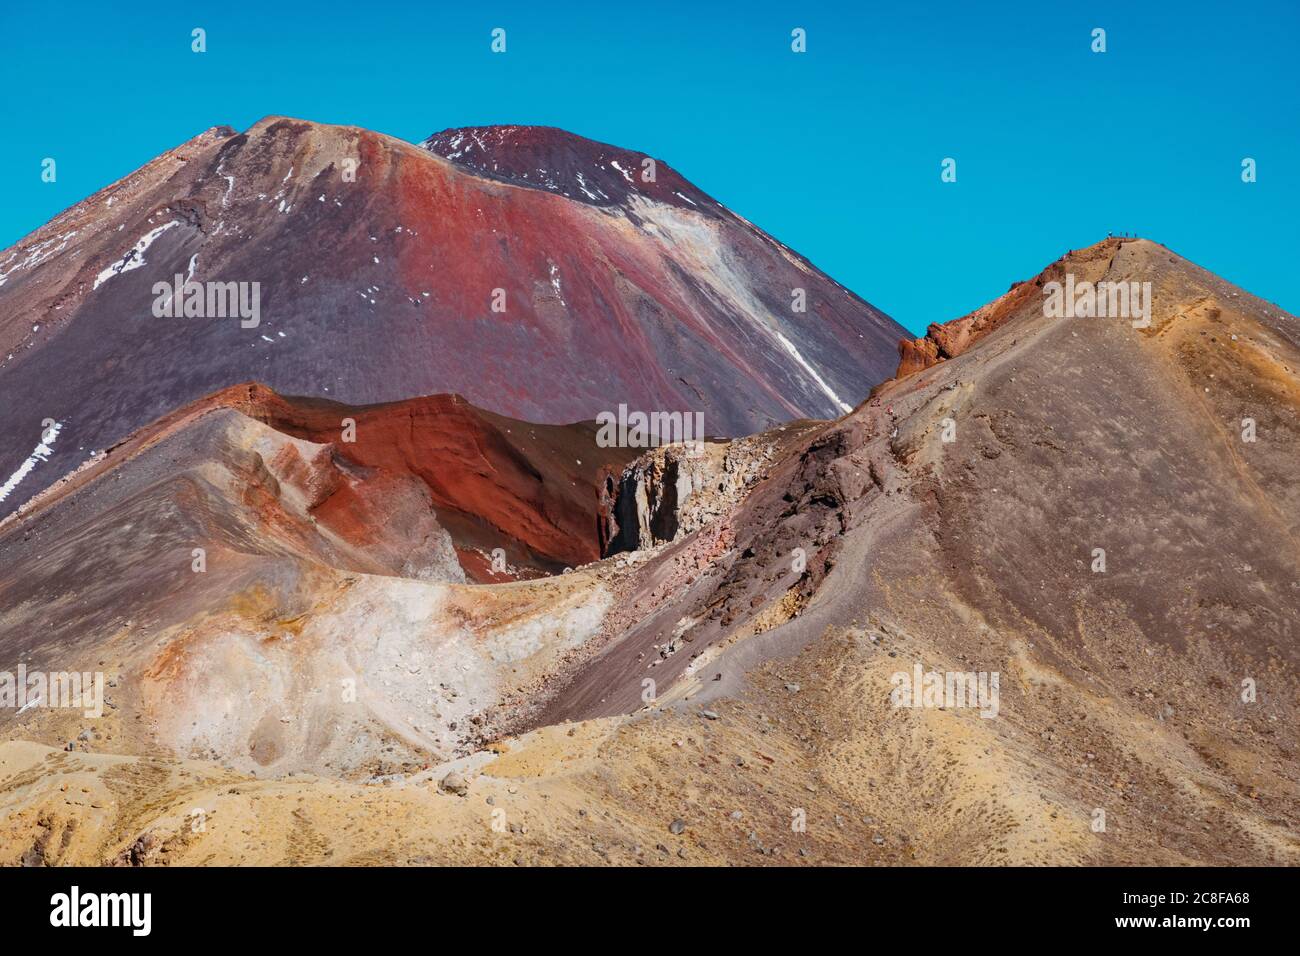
[(950, 339), (671, 491)]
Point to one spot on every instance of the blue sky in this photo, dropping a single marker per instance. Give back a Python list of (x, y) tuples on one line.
[(836, 152)]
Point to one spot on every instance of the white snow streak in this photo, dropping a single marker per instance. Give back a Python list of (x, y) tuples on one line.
[(42, 453), (134, 257), (812, 372)]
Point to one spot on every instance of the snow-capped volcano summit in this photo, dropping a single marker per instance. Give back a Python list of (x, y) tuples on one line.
[(573, 166)]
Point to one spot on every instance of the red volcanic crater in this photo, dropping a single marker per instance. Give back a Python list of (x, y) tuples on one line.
[(383, 482), (493, 482)]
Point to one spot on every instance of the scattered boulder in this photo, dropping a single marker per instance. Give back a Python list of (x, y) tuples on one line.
[(454, 783)]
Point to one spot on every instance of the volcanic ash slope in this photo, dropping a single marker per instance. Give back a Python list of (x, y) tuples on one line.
[(772, 631)]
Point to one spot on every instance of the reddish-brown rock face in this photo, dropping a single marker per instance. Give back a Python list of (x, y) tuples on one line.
[(386, 271), (950, 339), (916, 354), (492, 482)]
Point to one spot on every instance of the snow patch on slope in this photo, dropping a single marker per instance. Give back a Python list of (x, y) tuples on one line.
[(695, 239), (134, 257), (812, 372), (42, 453)]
